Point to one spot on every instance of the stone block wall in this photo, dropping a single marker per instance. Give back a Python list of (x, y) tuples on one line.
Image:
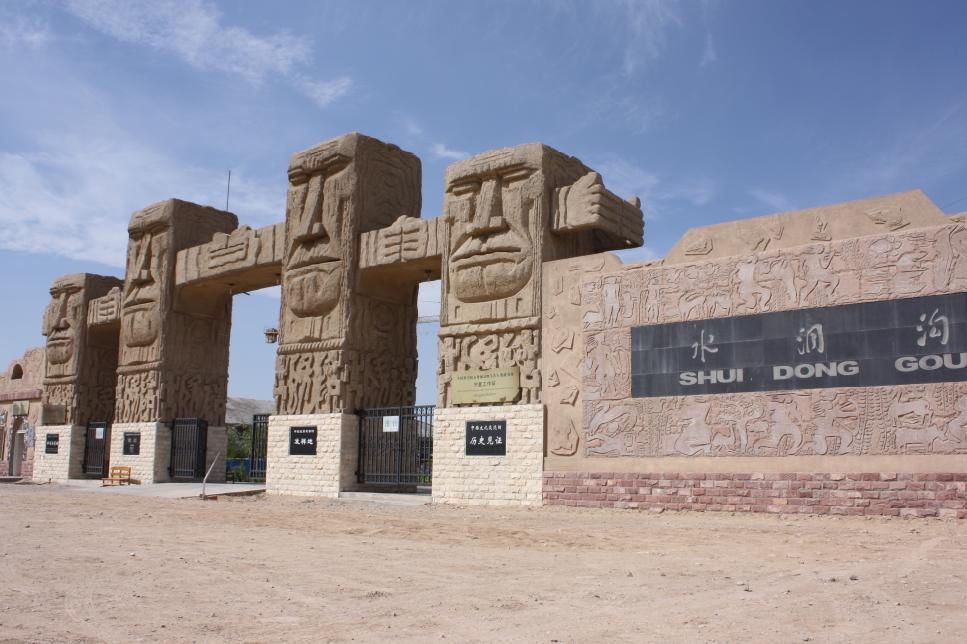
[(151, 464), (855, 494), (514, 479), (55, 467), (326, 473)]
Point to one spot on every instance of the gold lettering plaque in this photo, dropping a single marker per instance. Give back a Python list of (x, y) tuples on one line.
[(486, 386)]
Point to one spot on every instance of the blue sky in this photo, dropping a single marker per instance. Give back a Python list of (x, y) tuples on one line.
[(709, 111)]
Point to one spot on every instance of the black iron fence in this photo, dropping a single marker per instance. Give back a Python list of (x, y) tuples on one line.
[(396, 445), (97, 448), (260, 436), (189, 442)]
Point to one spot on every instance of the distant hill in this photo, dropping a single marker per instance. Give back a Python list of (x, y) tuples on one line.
[(239, 411)]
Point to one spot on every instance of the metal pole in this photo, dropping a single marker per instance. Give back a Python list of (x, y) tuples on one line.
[(204, 481)]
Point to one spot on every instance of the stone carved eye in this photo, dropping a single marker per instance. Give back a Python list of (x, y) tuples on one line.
[(465, 188), (508, 179)]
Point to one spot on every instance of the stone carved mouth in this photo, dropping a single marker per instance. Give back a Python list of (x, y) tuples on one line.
[(59, 350), (305, 255), (485, 256)]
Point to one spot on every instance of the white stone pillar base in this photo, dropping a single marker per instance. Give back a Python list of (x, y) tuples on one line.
[(66, 463), (514, 479), (330, 471), (151, 464)]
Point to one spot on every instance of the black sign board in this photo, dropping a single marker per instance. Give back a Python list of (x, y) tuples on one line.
[(132, 443), (52, 443), (486, 438), (302, 441), (896, 342)]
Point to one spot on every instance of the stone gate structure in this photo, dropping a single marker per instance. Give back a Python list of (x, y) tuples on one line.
[(807, 361)]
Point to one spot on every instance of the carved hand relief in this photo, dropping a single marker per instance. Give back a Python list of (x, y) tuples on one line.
[(105, 309), (492, 214)]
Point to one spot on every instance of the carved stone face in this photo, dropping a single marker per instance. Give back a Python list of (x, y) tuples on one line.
[(142, 299), (491, 207), (64, 324), (317, 234)]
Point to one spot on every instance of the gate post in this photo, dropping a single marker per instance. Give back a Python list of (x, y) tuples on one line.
[(173, 353), (80, 373), (345, 342)]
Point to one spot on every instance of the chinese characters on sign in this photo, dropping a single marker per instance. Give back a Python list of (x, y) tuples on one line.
[(52, 443), (486, 438), (896, 342), (483, 386), (132, 444), (302, 441)]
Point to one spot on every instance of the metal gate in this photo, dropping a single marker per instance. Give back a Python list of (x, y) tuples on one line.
[(189, 441), (396, 445), (97, 450), (260, 436)]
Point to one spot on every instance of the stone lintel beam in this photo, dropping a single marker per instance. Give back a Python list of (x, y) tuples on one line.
[(409, 247), (242, 260)]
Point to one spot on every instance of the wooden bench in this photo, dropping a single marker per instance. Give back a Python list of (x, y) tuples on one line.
[(120, 475)]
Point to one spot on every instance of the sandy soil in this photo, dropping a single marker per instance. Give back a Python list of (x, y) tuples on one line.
[(83, 567)]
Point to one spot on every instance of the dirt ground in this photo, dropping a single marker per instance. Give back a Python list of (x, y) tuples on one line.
[(84, 567)]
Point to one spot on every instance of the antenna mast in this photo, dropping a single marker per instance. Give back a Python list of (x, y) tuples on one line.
[(228, 190)]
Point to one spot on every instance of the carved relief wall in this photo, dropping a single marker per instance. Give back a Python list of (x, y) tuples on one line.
[(902, 419), (173, 356), (561, 350), (507, 211), (345, 342), (80, 363)]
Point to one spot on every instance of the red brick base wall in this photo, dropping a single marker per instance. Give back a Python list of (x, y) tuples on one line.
[(877, 493)]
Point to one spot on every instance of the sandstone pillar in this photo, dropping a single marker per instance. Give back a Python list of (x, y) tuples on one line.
[(345, 342), (79, 373), (173, 357)]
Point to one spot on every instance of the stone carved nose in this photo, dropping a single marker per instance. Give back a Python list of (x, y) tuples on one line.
[(489, 216), (142, 267), (60, 319), (311, 226)]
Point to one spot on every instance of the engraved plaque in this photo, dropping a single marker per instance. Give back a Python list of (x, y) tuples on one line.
[(486, 386)]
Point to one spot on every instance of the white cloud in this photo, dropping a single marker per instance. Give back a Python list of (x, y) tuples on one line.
[(21, 31), (74, 196), (708, 54), (193, 31), (441, 151), (647, 23), (627, 179), (775, 200), (325, 92)]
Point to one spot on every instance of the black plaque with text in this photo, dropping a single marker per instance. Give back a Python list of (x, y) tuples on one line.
[(895, 342), (486, 438), (132, 444), (52, 444), (302, 441)]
